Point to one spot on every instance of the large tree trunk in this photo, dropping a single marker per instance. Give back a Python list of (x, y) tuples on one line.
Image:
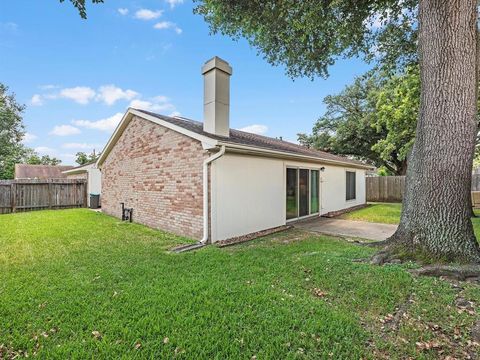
[(436, 213)]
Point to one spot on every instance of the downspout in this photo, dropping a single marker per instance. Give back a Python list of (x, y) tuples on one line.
[(206, 162)]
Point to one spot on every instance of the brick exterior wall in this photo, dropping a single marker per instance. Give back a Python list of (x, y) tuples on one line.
[(157, 172)]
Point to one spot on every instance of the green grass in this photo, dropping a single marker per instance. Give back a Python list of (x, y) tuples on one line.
[(376, 212), (66, 274), (390, 214)]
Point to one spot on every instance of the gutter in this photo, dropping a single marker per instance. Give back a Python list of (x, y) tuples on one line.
[(206, 162)]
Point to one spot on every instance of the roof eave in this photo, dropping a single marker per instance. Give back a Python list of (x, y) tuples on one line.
[(253, 150), (130, 113)]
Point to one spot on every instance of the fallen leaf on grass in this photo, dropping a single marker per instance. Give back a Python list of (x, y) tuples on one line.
[(42, 305), (427, 345), (319, 293), (138, 345), (166, 340), (96, 335)]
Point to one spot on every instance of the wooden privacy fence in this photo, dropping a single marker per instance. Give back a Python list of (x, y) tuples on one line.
[(28, 195), (385, 188), (476, 182), (390, 189)]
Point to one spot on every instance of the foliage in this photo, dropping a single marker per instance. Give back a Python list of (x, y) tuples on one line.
[(83, 158), (373, 119), (11, 132), (82, 7), (79, 284), (397, 105), (33, 158), (308, 36)]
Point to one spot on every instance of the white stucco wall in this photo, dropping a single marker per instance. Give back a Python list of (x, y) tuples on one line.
[(94, 181), (248, 193)]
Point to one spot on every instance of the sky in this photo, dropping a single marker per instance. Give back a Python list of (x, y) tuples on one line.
[(77, 77)]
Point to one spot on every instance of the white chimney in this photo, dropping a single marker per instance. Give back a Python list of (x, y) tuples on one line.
[(216, 101)]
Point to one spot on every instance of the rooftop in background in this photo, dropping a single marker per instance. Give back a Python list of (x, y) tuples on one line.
[(26, 171)]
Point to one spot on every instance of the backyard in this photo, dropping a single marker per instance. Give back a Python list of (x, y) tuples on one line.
[(80, 284), (389, 213)]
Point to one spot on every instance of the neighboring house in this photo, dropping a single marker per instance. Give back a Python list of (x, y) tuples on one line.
[(209, 182), (26, 171), (89, 172)]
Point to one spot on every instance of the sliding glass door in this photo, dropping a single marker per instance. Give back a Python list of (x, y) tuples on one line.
[(303, 188), (314, 192), (303, 202), (292, 194)]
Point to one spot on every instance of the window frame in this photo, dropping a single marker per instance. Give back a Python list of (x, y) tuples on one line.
[(354, 187), (310, 214)]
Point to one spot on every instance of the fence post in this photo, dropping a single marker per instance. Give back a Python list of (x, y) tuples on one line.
[(85, 197), (50, 195), (13, 196)]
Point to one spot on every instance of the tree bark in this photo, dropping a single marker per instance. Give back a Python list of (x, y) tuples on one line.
[(436, 213)]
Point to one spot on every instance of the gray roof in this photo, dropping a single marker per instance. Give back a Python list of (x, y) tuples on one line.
[(244, 138), (26, 171)]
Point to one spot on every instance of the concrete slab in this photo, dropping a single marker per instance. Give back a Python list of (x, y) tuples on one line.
[(348, 228)]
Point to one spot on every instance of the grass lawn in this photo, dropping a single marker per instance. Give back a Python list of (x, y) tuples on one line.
[(390, 214), (78, 284)]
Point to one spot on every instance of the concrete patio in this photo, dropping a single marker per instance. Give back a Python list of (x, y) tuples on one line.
[(348, 228)]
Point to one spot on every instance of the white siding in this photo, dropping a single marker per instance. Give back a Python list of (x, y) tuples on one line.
[(94, 181), (248, 193)]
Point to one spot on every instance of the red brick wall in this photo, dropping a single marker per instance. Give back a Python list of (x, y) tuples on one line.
[(157, 172)]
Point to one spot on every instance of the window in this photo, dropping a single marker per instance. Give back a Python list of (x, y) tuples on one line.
[(303, 205), (292, 193), (303, 188), (314, 198), (351, 195)]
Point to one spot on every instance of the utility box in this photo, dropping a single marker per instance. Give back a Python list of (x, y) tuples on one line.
[(94, 201)]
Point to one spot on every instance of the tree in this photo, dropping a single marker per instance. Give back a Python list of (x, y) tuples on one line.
[(82, 7), (32, 158), (11, 133), (308, 36), (373, 120), (83, 158), (397, 104)]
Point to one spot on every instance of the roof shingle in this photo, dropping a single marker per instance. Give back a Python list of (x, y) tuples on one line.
[(27, 171), (244, 138)]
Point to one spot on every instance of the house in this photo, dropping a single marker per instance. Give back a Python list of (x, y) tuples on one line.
[(89, 172), (43, 172), (209, 182)]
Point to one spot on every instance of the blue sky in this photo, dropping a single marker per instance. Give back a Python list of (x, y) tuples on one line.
[(78, 76)]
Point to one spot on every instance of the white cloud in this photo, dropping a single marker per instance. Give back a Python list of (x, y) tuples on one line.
[(159, 103), (107, 124), (45, 150), (8, 26), (48, 87), (110, 94), (255, 129), (65, 130), (83, 146), (122, 11), (175, 113), (79, 94), (167, 25), (174, 3), (147, 14), (28, 138), (36, 100)]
